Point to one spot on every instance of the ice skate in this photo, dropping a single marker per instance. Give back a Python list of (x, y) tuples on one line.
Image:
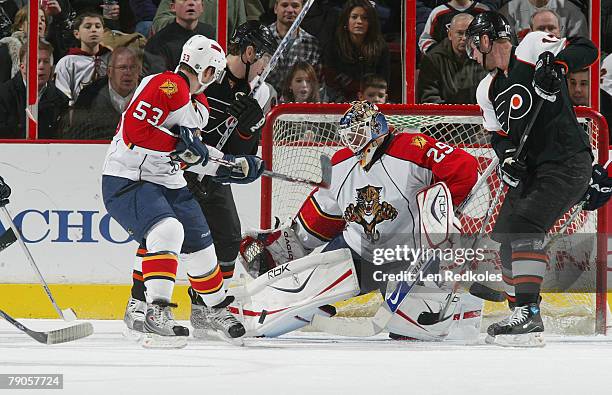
[(134, 319), (215, 322), (523, 328), (161, 331)]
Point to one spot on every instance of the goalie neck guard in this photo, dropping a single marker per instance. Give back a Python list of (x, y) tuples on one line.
[(362, 129)]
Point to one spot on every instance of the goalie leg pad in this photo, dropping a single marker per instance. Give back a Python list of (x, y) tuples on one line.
[(286, 297)]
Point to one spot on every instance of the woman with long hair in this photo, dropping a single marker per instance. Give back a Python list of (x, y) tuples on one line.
[(301, 85), (358, 49)]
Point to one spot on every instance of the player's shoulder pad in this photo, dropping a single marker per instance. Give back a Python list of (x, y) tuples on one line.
[(535, 43), (410, 147), (171, 87), (341, 156)]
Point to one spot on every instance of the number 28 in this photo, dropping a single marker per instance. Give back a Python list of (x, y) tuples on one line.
[(439, 152)]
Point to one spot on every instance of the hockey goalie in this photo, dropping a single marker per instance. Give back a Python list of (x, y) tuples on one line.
[(390, 193)]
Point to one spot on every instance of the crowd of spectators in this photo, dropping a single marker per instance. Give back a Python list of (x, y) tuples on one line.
[(93, 53)]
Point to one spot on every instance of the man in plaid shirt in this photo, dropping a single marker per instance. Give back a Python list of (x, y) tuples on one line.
[(305, 46)]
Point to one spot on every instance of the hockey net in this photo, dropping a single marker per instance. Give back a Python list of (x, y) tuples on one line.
[(297, 134)]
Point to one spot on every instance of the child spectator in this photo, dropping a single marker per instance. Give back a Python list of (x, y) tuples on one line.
[(438, 22), (10, 46), (51, 103), (373, 89), (358, 49), (84, 65), (301, 85)]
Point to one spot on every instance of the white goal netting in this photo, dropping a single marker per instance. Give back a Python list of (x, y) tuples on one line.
[(297, 135)]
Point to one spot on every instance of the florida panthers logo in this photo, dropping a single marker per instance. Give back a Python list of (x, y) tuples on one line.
[(369, 211), (512, 104)]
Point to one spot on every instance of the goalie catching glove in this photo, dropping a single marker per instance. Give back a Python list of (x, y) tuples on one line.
[(245, 169), (600, 189), (248, 113), (189, 150), (263, 250)]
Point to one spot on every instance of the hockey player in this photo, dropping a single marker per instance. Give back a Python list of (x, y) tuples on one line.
[(248, 48), (549, 175), (145, 192), (371, 206)]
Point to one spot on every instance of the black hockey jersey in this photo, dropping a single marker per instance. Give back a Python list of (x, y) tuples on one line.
[(507, 101), (219, 98)]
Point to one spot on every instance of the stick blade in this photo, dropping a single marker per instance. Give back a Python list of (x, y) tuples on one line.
[(70, 333), (326, 171)]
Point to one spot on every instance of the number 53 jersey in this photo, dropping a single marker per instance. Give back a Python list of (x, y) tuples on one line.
[(376, 208), (144, 139)]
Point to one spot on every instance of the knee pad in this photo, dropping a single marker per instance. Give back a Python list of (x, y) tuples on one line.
[(166, 235)]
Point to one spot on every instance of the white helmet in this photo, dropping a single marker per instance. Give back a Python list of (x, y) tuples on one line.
[(200, 53)]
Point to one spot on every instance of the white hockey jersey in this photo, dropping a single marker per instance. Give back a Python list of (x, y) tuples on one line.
[(377, 208), (140, 149)]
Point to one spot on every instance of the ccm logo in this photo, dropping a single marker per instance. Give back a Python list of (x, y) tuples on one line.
[(277, 271)]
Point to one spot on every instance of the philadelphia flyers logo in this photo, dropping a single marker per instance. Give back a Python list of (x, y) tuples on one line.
[(512, 104)]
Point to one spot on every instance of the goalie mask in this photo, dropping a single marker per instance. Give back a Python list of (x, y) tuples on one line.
[(200, 53), (360, 125)]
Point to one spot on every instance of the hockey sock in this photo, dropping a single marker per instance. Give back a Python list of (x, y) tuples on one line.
[(227, 269), (159, 273), (505, 252), (138, 288), (205, 275), (529, 261)]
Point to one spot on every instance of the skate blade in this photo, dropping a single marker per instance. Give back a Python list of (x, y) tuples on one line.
[(132, 334), (526, 340), (209, 334), (152, 340)]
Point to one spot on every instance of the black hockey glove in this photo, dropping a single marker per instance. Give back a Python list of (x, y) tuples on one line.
[(547, 76), (189, 150), (600, 189), (511, 170), (247, 168), (5, 192), (248, 113)]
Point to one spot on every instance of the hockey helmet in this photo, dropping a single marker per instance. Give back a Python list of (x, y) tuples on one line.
[(491, 24), (200, 53), (256, 34), (361, 124)]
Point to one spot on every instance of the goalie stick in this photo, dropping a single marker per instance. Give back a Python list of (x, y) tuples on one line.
[(56, 336), (374, 325), (66, 314), (326, 173), (285, 42)]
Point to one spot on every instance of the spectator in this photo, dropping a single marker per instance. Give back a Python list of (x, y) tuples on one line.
[(84, 65), (301, 84), (51, 103), (163, 50), (236, 15), (8, 9), (606, 91), (438, 22), (144, 12), (97, 111), (10, 46), (578, 84), (358, 49), (447, 75), (305, 47), (545, 21), (60, 19), (606, 26), (110, 14), (519, 12), (373, 89)]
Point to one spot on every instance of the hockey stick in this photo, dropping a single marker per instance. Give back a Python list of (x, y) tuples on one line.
[(56, 336), (285, 42), (326, 173), (66, 314), (394, 299)]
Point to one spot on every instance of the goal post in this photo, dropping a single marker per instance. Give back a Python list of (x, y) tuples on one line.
[(296, 134)]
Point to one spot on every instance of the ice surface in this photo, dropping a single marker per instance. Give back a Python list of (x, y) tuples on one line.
[(307, 363)]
